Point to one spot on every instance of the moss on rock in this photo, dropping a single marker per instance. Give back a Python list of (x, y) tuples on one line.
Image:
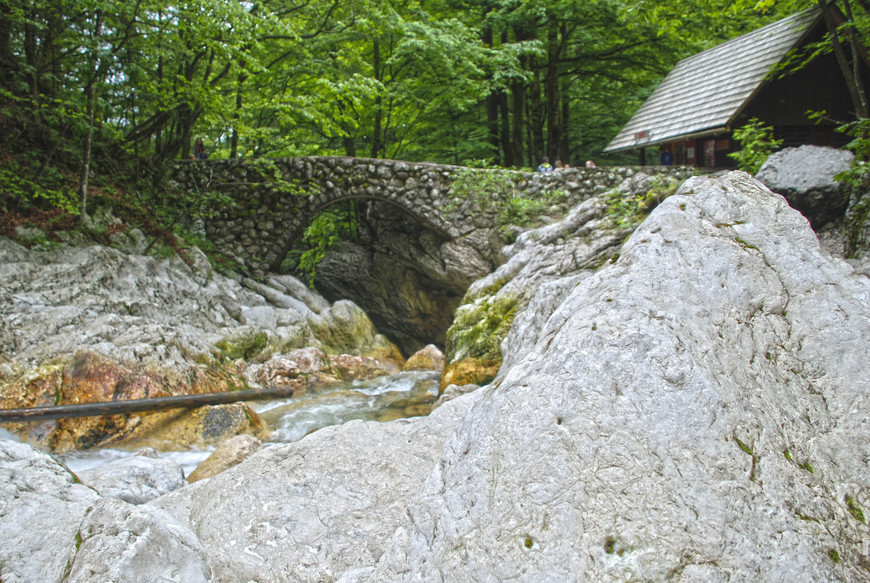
[(474, 340), (469, 371)]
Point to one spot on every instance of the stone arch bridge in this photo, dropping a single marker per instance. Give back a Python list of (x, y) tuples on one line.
[(275, 199)]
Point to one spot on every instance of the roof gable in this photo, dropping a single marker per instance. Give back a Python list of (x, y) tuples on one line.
[(706, 91)]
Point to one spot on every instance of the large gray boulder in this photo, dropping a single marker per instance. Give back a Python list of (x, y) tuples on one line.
[(136, 479), (41, 505), (696, 411), (805, 177), (505, 310), (310, 510), (121, 543)]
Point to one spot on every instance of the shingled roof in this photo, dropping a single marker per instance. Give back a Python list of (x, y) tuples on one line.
[(706, 92)]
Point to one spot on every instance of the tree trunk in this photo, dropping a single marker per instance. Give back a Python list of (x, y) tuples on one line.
[(139, 405), (859, 100), (536, 119), (565, 144), (554, 125), (8, 61), (90, 95), (491, 99), (349, 146), (505, 129), (856, 56), (30, 55), (518, 107), (564, 120), (234, 143), (91, 98), (376, 131)]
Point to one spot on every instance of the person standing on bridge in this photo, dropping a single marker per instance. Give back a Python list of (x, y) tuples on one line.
[(199, 150)]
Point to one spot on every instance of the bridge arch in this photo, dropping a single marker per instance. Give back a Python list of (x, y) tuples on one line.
[(275, 198)]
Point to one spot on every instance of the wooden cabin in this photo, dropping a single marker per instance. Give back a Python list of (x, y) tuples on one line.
[(706, 96)]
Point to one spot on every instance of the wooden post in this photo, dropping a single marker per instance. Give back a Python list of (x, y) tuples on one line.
[(137, 405)]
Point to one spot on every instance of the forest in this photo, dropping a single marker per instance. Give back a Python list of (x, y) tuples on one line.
[(98, 92)]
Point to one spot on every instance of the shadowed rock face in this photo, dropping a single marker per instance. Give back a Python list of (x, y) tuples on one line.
[(805, 177), (408, 279)]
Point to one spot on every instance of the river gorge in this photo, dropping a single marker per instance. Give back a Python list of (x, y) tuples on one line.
[(682, 400)]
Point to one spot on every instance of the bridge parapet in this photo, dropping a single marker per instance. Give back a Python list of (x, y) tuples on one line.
[(275, 199)]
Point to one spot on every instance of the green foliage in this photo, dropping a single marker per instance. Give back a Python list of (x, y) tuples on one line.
[(270, 174), (856, 180), (493, 188), (19, 191), (758, 143), (328, 228), (441, 81), (520, 210), (484, 184), (625, 210), (859, 132), (245, 347)]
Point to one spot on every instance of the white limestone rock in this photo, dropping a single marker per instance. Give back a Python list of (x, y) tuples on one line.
[(696, 411), (121, 543), (41, 505), (137, 309), (135, 479), (310, 510)]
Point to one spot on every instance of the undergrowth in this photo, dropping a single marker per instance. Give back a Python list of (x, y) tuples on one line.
[(495, 189), (625, 210)]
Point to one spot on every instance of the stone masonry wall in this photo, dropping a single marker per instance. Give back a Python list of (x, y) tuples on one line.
[(276, 198)]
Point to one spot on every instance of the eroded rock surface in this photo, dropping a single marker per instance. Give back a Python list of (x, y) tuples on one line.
[(696, 411), (309, 510), (41, 504), (135, 479), (121, 542), (510, 304), (94, 324)]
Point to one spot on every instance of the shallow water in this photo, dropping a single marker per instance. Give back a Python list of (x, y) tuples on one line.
[(407, 394)]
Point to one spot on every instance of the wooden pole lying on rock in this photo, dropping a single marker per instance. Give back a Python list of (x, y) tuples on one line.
[(136, 405)]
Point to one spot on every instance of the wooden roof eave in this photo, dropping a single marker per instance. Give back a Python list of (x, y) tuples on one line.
[(694, 135)]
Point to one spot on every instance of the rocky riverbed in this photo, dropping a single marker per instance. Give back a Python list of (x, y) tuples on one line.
[(691, 408), (96, 323)]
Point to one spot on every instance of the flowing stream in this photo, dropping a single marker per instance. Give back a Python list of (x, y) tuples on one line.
[(407, 394)]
